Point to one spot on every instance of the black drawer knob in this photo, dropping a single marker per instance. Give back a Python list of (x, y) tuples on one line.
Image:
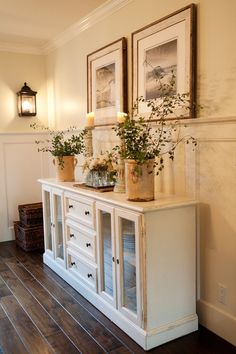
[(72, 235), (86, 212), (72, 263), (89, 275), (71, 206), (88, 244)]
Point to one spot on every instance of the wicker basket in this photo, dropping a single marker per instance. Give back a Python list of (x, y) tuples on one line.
[(29, 238), (31, 214)]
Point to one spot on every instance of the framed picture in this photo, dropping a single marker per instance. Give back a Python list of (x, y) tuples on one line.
[(162, 51), (107, 82)]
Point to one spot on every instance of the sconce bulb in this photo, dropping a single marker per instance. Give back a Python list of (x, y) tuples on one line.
[(26, 106)]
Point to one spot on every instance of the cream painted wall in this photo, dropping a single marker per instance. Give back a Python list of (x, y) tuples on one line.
[(15, 69), (216, 56)]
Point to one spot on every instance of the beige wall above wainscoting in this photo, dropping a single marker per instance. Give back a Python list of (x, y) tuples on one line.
[(15, 69), (216, 56), (208, 173)]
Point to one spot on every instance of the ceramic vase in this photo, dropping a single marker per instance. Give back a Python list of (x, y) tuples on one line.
[(65, 168), (139, 180)]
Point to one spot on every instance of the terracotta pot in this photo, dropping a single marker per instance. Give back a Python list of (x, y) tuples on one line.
[(65, 168), (139, 180)]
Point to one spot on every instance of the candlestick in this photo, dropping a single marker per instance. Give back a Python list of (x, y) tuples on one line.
[(90, 119), (120, 180), (88, 141)]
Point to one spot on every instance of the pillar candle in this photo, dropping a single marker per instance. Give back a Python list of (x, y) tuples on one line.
[(121, 117), (90, 119)]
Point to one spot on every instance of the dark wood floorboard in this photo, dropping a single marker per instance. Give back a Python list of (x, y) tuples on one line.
[(41, 314), (99, 332), (43, 321), (87, 321), (10, 342), (77, 334), (32, 338)]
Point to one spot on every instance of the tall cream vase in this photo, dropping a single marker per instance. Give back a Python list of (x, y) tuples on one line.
[(139, 180), (65, 168)]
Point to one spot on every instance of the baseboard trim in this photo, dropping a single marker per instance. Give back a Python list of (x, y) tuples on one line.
[(217, 320), (173, 331)]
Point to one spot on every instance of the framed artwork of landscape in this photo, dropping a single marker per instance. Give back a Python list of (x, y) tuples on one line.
[(107, 82), (161, 51)]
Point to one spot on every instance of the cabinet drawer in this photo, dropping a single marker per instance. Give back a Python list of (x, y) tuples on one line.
[(80, 209), (81, 239), (84, 271)]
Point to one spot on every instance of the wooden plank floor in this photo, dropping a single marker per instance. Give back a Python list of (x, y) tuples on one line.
[(40, 313)]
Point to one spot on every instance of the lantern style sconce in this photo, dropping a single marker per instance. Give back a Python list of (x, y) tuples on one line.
[(26, 102)]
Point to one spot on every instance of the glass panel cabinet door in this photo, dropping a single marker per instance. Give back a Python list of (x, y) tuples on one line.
[(106, 253), (128, 232), (58, 226), (106, 256), (47, 210), (129, 286)]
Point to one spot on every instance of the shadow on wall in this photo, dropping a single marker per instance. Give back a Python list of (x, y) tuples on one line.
[(219, 93)]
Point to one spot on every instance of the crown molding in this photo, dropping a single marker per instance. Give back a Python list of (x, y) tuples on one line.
[(101, 12), (97, 15), (20, 48)]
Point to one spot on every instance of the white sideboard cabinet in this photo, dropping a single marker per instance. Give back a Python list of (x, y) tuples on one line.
[(136, 262)]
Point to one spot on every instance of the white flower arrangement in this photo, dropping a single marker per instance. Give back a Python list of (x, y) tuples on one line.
[(101, 170), (102, 162)]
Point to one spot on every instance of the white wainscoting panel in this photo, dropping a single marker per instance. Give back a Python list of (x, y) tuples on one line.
[(20, 167)]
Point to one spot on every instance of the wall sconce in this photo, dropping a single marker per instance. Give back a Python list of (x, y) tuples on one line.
[(26, 101)]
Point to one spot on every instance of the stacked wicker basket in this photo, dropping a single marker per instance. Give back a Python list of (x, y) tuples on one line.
[(29, 230)]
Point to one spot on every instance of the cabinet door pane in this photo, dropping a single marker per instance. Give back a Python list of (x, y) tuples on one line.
[(47, 221), (128, 257), (58, 227), (106, 253)]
